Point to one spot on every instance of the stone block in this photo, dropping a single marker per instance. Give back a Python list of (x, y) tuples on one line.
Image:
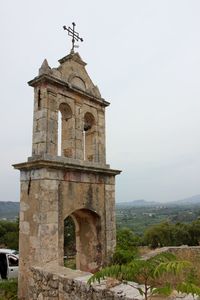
[(39, 114), (25, 227), (79, 144), (52, 105), (49, 201), (79, 134), (39, 148), (24, 176), (49, 185), (109, 188), (79, 154), (39, 137), (24, 206), (52, 217), (68, 152), (21, 215), (53, 115), (34, 242), (41, 125), (52, 148)]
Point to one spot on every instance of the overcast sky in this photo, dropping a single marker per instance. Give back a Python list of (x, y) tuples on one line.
[(144, 55)]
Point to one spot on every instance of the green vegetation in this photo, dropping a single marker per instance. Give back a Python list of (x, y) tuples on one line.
[(70, 263), (138, 219), (126, 249), (136, 226), (145, 226), (161, 226), (8, 289), (169, 234), (159, 275), (155, 227), (9, 234)]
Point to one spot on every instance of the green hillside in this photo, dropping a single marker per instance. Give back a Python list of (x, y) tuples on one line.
[(9, 210)]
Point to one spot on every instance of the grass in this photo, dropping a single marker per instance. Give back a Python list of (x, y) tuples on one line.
[(8, 289), (70, 263), (193, 257)]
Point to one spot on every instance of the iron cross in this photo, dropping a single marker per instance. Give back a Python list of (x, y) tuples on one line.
[(74, 34)]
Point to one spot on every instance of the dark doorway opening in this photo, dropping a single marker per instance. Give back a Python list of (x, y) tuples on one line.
[(69, 243)]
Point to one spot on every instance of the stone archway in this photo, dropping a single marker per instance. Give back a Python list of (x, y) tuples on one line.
[(88, 239)]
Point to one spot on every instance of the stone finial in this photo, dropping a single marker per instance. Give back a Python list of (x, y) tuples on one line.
[(44, 69)]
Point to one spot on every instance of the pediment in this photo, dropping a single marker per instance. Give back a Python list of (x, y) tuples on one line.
[(72, 70)]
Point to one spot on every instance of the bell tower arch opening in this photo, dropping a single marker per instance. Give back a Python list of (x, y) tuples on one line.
[(89, 137), (59, 152), (65, 144)]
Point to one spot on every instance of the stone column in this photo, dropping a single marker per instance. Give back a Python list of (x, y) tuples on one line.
[(110, 217), (38, 241)]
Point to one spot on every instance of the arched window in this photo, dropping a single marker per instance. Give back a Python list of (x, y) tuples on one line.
[(65, 147), (89, 137)]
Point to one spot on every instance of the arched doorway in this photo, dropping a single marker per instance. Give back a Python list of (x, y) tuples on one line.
[(88, 239)]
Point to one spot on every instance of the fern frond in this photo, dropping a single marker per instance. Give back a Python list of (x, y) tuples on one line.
[(162, 257), (174, 267), (189, 288), (165, 291), (112, 271)]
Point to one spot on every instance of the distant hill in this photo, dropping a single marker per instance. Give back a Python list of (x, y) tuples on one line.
[(138, 203), (194, 200), (9, 210)]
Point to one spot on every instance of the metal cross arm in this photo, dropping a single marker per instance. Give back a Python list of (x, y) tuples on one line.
[(74, 34)]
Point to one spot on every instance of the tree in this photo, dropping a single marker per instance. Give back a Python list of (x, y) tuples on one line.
[(158, 275), (9, 234), (126, 248), (159, 235), (180, 234), (194, 233)]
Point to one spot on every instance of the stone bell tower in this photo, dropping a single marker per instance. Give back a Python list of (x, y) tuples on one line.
[(76, 182)]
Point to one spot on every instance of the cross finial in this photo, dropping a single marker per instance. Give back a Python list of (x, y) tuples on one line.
[(74, 34)]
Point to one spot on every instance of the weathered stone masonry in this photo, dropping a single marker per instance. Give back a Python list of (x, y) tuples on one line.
[(63, 284), (76, 183), (55, 282)]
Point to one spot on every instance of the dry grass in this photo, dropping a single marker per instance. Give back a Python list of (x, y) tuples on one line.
[(184, 254), (193, 257), (143, 250)]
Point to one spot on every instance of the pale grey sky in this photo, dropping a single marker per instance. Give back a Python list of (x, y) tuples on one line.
[(144, 56)]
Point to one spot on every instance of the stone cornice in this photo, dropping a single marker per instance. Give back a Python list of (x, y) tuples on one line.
[(49, 164), (63, 84)]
